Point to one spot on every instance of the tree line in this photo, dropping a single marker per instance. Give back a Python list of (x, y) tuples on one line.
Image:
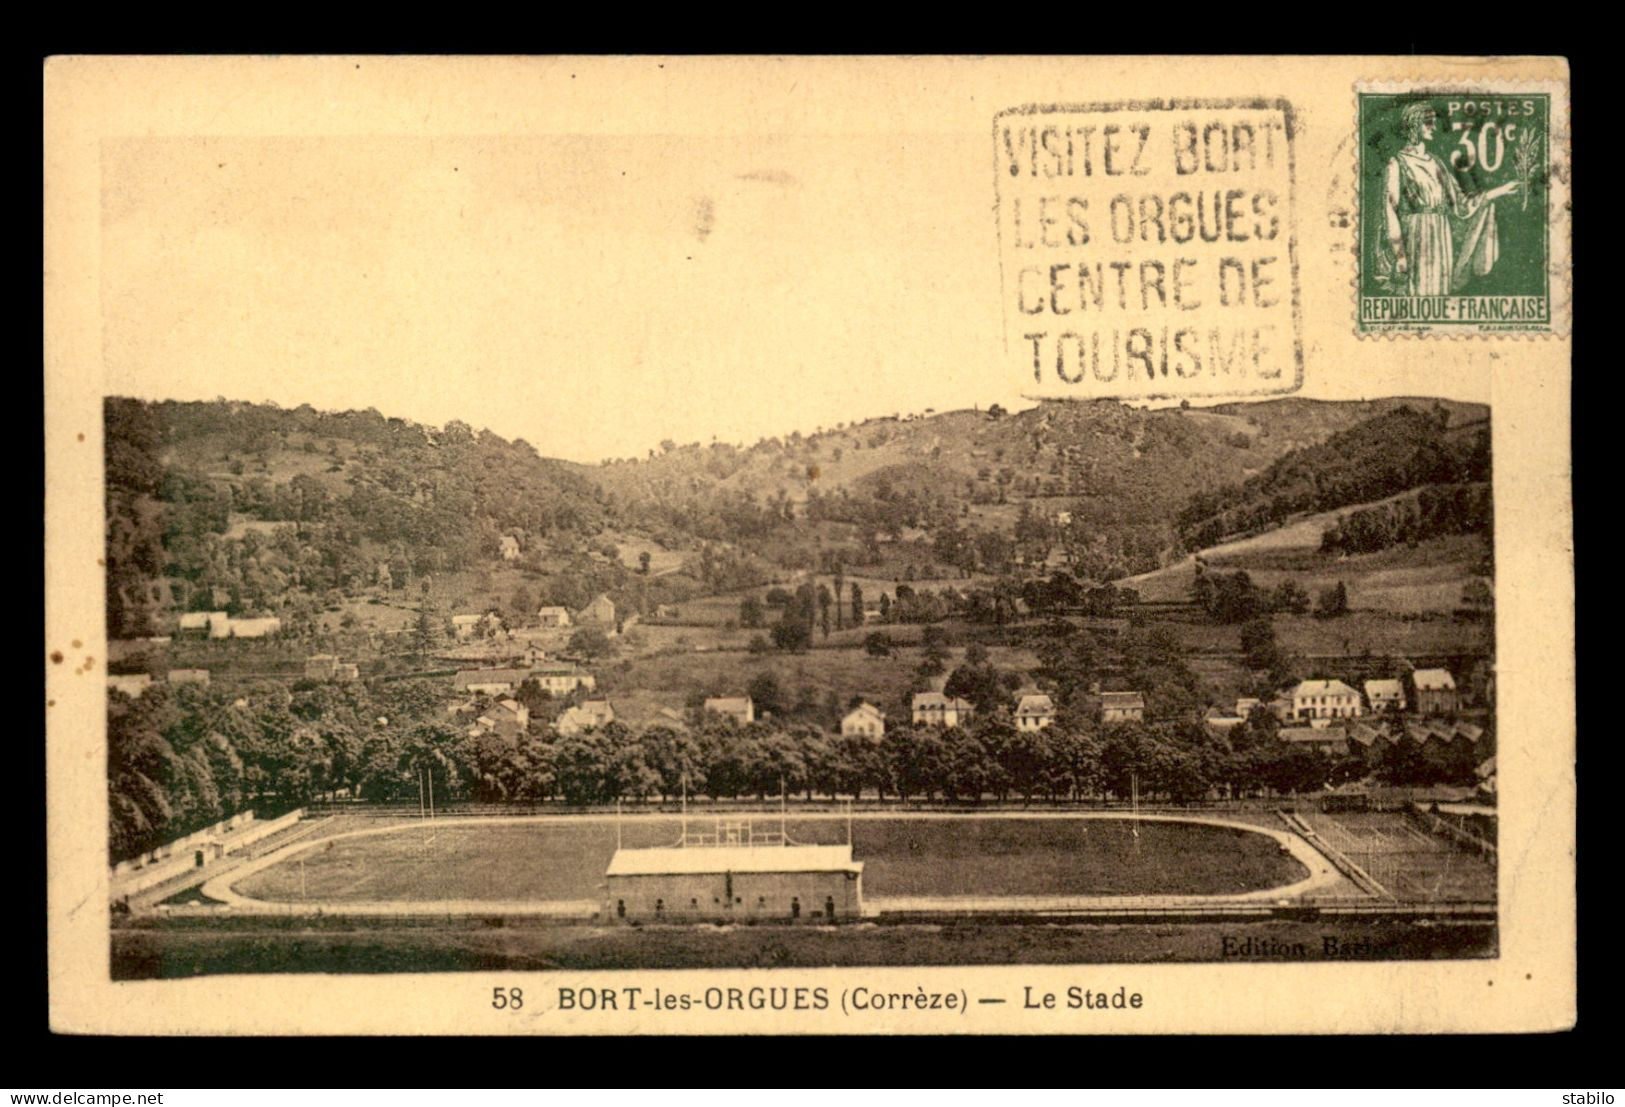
[(182, 758)]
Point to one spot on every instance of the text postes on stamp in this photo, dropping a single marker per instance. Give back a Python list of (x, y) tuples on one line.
[(1148, 249), (1454, 200)]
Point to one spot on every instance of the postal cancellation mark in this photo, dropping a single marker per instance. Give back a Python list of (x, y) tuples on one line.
[(1148, 249)]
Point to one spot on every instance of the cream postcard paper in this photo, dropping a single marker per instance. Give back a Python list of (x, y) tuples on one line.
[(774, 545)]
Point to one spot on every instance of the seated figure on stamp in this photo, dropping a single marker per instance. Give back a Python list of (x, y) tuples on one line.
[(1427, 255)]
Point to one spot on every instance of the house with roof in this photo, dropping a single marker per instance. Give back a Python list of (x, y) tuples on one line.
[(585, 716), (1245, 705), (203, 624), (599, 613), (1372, 743), (936, 709), (328, 667), (464, 627), (507, 718), (261, 627), (1122, 707), (1034, 711), (738, 708), (865, 720), (1435, 692), (1331, 740), (490, 682), (1453, 747), (131, 684), (1218, 721), (560, 678), (189, 676), (553, 616), (1385, 695), (510, 547), (1325, 699)]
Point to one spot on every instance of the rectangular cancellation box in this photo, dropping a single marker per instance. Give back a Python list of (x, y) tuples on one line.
[(1148, 249)]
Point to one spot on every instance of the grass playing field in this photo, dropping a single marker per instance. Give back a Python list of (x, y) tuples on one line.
[(963, 856)]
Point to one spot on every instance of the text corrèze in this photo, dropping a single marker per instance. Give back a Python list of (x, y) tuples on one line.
[(1147, 251)]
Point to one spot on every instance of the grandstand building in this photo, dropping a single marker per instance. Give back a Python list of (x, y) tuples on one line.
[(734, 874)]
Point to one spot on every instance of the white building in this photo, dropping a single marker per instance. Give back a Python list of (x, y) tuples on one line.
[(1380, 695), (1034, 712), (936, 709), (865, 720), (589, 715), (1325, 699), (738, 708)]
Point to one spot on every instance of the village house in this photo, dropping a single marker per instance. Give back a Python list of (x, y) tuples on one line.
[(131, 684), (1245, 705), (1122, 707), (1435, 692), (553, 617), (599, 613), (507, 719), (490, 682), (1325, 699), (204, 624), (865, 720), (588, 715), (510, 548), (1034, 711), (738, 708), (1383, 695), (1218, 721), (1371, 743), (250, 628), (936, 709), (326, 666), (1331, 740), (561, 678), (189, 676), (464, 627), (1453, 748)]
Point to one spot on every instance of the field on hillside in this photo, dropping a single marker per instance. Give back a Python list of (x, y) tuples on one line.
[(960, 856), (1356, 633), (843, 672)]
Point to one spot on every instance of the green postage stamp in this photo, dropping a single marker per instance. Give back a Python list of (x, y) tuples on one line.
[(1456, 202)]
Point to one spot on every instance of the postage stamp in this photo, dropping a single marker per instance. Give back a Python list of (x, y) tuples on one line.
[(1148, 249), (1455, 197)]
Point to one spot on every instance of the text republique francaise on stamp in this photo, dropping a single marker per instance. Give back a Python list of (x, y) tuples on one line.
[(1454, 210), (1148, 249)]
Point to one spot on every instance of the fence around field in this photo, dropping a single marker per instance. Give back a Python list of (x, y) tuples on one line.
[(799, 806), (174, 859)]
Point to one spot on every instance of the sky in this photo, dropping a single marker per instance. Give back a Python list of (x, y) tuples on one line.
[(591, 294)]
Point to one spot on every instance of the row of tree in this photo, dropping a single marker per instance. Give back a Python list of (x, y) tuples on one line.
[(1234, 598)]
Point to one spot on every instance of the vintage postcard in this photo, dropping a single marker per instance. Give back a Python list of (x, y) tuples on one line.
[(788, 546)]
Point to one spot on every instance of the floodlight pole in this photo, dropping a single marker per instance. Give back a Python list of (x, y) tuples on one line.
[(1134, 786)]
